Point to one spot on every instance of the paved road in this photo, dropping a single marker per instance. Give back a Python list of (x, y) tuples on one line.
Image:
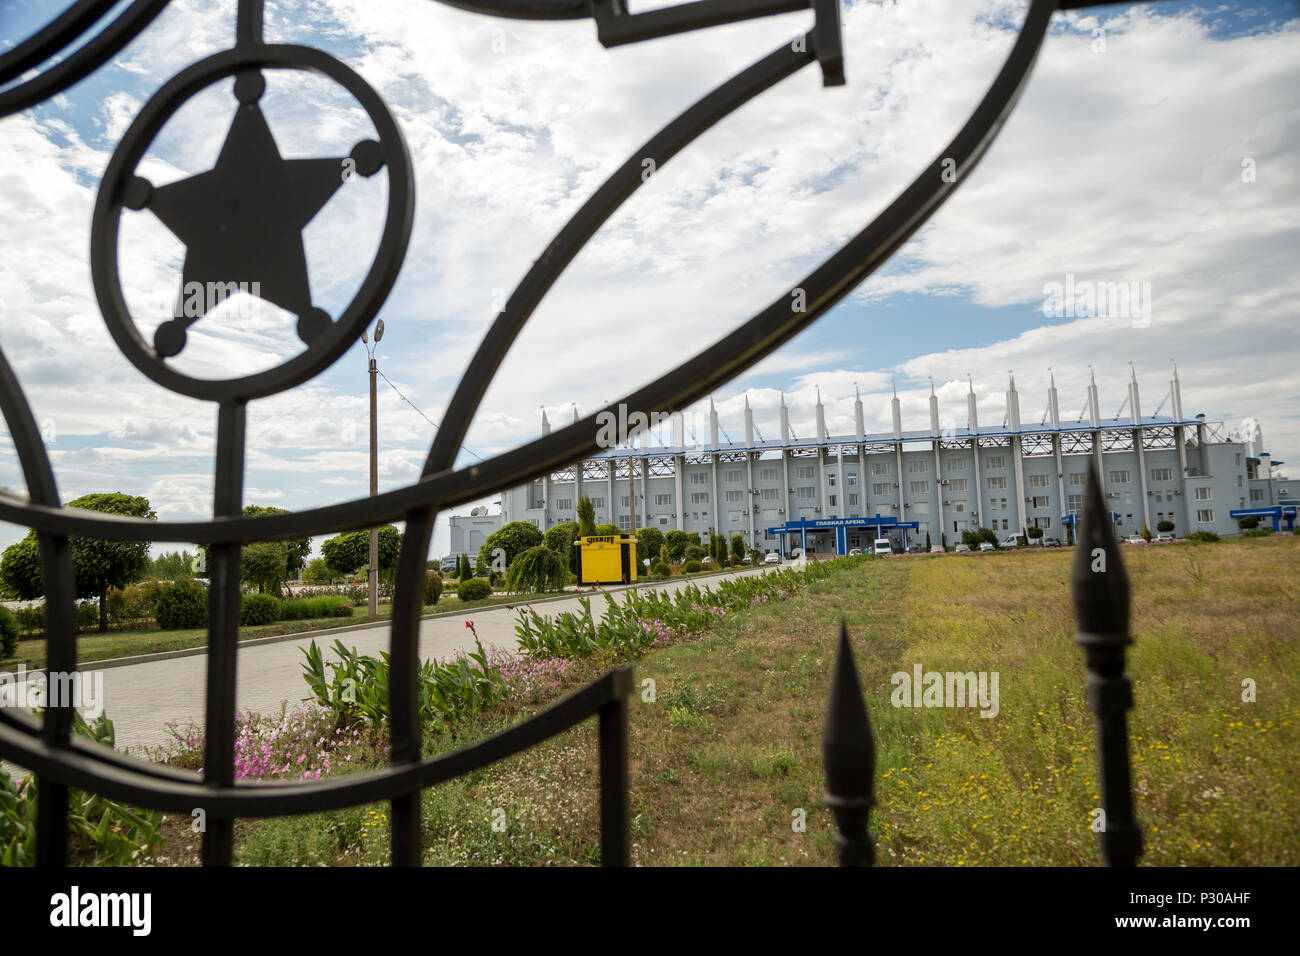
[(141, 698)]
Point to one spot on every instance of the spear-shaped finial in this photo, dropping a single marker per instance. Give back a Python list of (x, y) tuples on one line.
[(1101, 605), (848, 755)]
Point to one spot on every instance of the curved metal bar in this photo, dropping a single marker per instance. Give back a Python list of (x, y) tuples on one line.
[(89, 57), (52, 37), (117, 781), (711, 367), (60, 613)]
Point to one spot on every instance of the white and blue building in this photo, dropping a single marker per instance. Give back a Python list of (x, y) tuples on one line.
[(832, 493)]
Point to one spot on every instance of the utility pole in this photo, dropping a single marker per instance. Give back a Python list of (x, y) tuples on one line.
[(372, 564)]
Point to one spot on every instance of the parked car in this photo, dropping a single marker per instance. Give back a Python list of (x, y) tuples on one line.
[(706, 560), (916, 548), (449, 563), (796, 553), (1049, 543), (772, 557), (962, 549), (988, 546), (855, 551), (1135, 539), (1011, 541), (938, 549), (882, 546), (1164, 536)]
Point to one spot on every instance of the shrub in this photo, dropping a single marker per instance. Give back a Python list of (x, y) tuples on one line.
[(692, 567), (1257, 532), (1165, 526), (259, 609), (661, 570), (432, 587), (1034, 533), (538, 569), (343, 610), (8, 633), (475, 589), (87, 616), (31, 620), (1247, 524), (1198, 537), (302, 609), (1146, 533), (183, 604), (694, 553)]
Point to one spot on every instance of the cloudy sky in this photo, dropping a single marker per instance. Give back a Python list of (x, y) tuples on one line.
[(1156, 144)]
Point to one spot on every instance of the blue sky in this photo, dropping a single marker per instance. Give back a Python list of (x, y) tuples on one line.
[(1121, 164)]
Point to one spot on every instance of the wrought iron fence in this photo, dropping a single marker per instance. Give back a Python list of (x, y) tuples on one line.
[(1101, 605), (259, 234)]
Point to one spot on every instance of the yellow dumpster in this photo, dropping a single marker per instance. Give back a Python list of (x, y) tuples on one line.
[(606, 559)]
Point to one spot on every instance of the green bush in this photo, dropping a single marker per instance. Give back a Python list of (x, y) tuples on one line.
[(692, 567), (693, 552), (259, 609), (432, 587), (475, 589), (661, 570), (343, 610), (87, 616), (1165, 526), (1257, 533), (183, 604), (1246, 524), (8, 633), (31, 620), (305, 608), (537, 569), (1197, 537)]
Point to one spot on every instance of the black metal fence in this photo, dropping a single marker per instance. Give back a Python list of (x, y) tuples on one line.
[(255, 194), (1101, 603)]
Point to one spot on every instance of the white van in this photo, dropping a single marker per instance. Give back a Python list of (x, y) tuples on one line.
[(882, 546)]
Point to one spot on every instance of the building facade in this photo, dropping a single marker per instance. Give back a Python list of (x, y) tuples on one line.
[(833, 493)]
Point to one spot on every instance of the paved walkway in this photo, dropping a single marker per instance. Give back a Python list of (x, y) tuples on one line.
[(141, 698)]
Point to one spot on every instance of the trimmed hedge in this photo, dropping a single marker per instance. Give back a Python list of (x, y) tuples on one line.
[(475, 589), (692, 567), (259, 609), (182, 605), (432, 587), (301, 609), (661, 570)]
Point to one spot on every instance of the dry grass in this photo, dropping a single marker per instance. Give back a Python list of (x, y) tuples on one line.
[(726, 759)]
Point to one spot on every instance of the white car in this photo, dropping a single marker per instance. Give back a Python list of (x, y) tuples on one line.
[(1164, 536), (962, 548), (1135, 539), (938, 549), (855, 551), (988, 546), (882, 546), (772, 557)]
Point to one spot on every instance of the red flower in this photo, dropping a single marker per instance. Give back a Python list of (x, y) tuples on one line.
[(469, 623)]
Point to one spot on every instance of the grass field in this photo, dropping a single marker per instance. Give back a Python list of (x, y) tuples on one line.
[(726, 759)]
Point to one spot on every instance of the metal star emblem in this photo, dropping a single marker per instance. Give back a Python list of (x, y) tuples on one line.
[(242, 221)]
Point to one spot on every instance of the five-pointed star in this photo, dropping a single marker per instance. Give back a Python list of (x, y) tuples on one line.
[(242, 221)]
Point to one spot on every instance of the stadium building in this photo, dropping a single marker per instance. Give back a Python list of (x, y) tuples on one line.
[(832, 493)]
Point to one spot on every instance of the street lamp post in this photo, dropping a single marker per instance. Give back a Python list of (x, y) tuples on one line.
[(372, 563)]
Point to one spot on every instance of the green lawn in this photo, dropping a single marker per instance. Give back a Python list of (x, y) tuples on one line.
[(727, 757)]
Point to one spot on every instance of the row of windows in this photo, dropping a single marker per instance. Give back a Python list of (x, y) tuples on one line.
[(921, 466)]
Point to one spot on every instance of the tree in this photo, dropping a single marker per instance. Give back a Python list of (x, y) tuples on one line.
[(1146, 533), (464, 571), (296, 549), (1035, 533), (1165, 526), (317, 571), (648, 543), (537, 569), (169, 566), (676, 542), (609, 530), (512, 539), (264, 564), (349, 551), (1245, 524), (586, 517), (738, 546), (97, 565), (560, 540)]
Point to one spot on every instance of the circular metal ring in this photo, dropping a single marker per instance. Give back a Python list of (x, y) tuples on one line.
[(116, 191)]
